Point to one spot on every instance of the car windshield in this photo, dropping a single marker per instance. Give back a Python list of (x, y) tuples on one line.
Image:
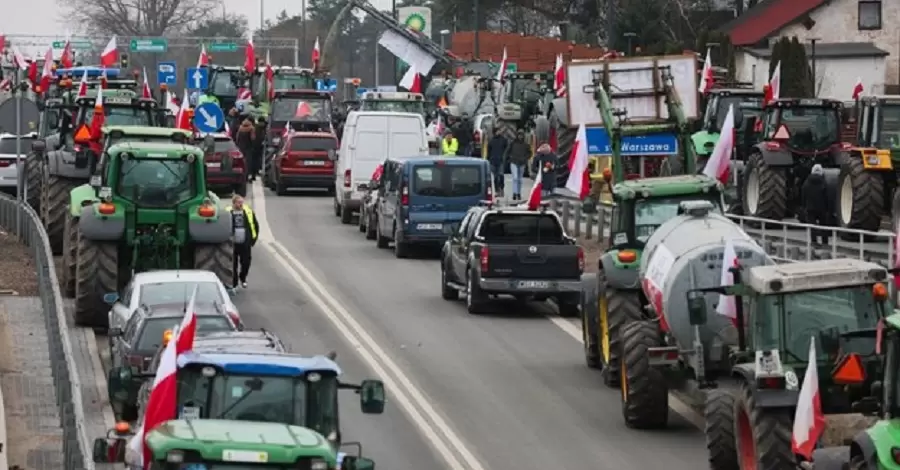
[(313, 143), (224, 146), (797, 316), (294, 82), (121, 116), (448, 180), (301, 109), (522, 229), (222, 84), (156, 183), (811, 127), (888, 126), (179, 293), (650, 213), (750, 104), (155, 328), (275, 399), (402, 106), (8, 146)]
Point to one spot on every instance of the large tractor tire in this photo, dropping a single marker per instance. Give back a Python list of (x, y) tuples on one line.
[(764, 190), (763, 435), (720, 412), (590, 302), (33, 180), (505, 128), (96, 274), (645, 393), (541, 130), (70, 254), (218, 258), (55, 193), (860, 196), (565, 141), (616, 309)]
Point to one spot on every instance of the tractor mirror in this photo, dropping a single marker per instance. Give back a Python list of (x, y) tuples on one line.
[(371, 397), (111, 297), (697, 308), (38, 146), (352, 462)]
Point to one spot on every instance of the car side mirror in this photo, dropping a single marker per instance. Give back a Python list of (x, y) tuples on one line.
[(371, 397), (39, 146), (697, 308), (352, 462), (100, 452)]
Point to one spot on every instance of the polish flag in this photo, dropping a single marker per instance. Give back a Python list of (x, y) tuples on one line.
[(47, 73), (145, 91), (534, 197), (706, 77), (110, 55), (2, 42), (162, 404), (579, 181), (33, 72), (67, 57), (559, 77), (244, 94), (82, 87), (316, 54), (719, 164), (502, 72), (18, 59), (203, 60), (809, 422), (182, 118), (99, 115), (858, 88), (5, 84), (727, 306), (103, 80), (270, 77), (171, 105), (250, 57), (411, 80), (773, 92)]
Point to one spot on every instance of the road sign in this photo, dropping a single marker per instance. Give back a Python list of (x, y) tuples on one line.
[(75, 44), (511, 67), (326, 85), (208, 117), (638, 145), (197, 78), (223, 47), (149, 45), (166, 72)]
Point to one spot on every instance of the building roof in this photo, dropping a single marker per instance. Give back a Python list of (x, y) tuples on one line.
[(767, 18), (831, 50)]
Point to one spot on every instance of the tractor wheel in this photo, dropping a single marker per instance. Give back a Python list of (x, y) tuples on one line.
[(33, 180), (589, 318), (218, 258), (541, 130), (645, 393), (506, 129), (617, 308), (565, 140), (765, 190), (720, 442), (860, 196), (96, 274), (858, 462), (346, 215), (55, 193), (70, 254), (763, 435)]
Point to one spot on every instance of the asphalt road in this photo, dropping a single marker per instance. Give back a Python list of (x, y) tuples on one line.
[(495, 392)]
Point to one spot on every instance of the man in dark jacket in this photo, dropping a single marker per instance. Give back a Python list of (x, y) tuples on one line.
[(545, 161), (816, 202), (463, 132), (517, 154), (234, 122), (244, 139), (496, 148), (259, 147)]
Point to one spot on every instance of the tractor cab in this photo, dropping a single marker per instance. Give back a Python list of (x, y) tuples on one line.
[(303, 110), (294, 78), (53, 114), (801, 125), (397, 101), (121, 108), (522, 96), (719, 100), (226, 83), (113, 135)]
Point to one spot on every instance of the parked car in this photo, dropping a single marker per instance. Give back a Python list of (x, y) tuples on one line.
[(226, 167), (9, 168), (168, 288), (304, 160)]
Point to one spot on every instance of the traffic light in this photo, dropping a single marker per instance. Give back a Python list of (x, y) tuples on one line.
[(123, 61)]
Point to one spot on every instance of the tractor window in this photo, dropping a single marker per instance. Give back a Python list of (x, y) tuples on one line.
[(301, 109), (889, 126), (649, 214), (222, 84), (121, 116), (294, 82), (156, 183), (521, 90), (810, 128), (722, 104), (401, 106)]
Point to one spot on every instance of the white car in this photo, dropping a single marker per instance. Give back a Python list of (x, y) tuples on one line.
[(172, 288), (9, 168)]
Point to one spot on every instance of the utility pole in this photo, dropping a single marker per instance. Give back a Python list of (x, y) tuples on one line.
[(395, 73), (611, 23), (812, 51), (477, 27)]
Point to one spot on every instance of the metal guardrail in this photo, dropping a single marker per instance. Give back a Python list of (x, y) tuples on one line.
[(22, 221)]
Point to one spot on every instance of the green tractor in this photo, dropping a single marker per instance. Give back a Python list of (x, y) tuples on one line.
[(146, 207), (214, 443), (523, 103), (719, 100)]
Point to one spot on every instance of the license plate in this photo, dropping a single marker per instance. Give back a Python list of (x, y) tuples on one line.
[(313, 162), (229, 455), (216, 165), (430, 226), (533, 285)]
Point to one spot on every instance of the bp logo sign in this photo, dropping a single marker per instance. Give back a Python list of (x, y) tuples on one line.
[(415, 22), (416, 18)]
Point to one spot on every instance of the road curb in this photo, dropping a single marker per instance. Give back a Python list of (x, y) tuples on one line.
[(4, 460)]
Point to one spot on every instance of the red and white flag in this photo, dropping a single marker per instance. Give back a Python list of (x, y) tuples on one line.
[(706, 77), (83, 87), (145, 90), (103, 80), (203, 60), (809, 422), (719, 164), (183, 118), (47, 72), (5, 84), (162, 404), (316, 54), (244, 94), (858, 88), (270, 77), (99, 117), (534, 197), (727, 304), (171, 105), (110, 55), (250, 57), (67, 59), (411, 80), (502, 72), (19, 60), (559, 76), (579, 181), (2, 42), (773, 92)]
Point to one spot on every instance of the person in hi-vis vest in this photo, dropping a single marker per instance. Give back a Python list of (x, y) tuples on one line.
[(245, 228)]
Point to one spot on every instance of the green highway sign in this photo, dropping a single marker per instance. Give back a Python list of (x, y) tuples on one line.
[(511, 67), (149, 45), (75, 44), (223, 47)]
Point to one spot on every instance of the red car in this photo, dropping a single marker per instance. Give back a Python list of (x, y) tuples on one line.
[(304, 160), (226, 167)]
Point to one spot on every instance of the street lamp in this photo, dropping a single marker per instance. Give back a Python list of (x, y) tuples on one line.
[(628, 37), (812, 51), (444, 34)]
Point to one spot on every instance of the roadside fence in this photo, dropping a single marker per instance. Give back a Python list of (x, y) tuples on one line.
[(21, 220)]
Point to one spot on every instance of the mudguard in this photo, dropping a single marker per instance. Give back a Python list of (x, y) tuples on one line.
[(561, 107), (765, 398), (52, 141), (81, 197), (62, 163), (831, 458), (780, 157), (863, 445), (96, 226), (618, 275), (701, 139), (210, 230)]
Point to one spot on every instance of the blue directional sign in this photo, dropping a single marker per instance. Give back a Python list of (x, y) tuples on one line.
[(197, 78), (208, 117), (326, 84), (166, 72), (361, 91), (652, 144)]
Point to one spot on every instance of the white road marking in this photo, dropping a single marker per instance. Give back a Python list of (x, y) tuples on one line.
[(411, 399)]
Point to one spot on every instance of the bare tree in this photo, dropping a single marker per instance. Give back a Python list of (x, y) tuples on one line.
[(137, 17), (517, 19)]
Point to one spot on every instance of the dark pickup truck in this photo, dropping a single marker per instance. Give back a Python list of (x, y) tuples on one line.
[(511, 251)]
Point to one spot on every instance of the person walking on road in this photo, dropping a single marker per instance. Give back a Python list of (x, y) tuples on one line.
[(545, 161), (245, 227), (496, 149), (518, 152), (259, 147), (817, 203), (244, 139), (464, 133), (449, 145)]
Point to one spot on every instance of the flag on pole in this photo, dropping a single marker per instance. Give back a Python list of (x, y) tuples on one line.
[(706, 77), (145, 90), (110, 55), (411, 80), (502, 72), (809, 421), (316, 54), (719, 164), (534, 197), (250, 57), (579, 181), (858, 88), (559, 77), (773, 91), (727, 305)]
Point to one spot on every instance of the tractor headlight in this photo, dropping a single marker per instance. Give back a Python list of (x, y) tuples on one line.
[(175, 456), (318, 464), (872, 159)]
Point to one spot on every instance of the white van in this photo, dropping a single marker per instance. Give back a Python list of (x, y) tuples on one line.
[(369, 138)]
